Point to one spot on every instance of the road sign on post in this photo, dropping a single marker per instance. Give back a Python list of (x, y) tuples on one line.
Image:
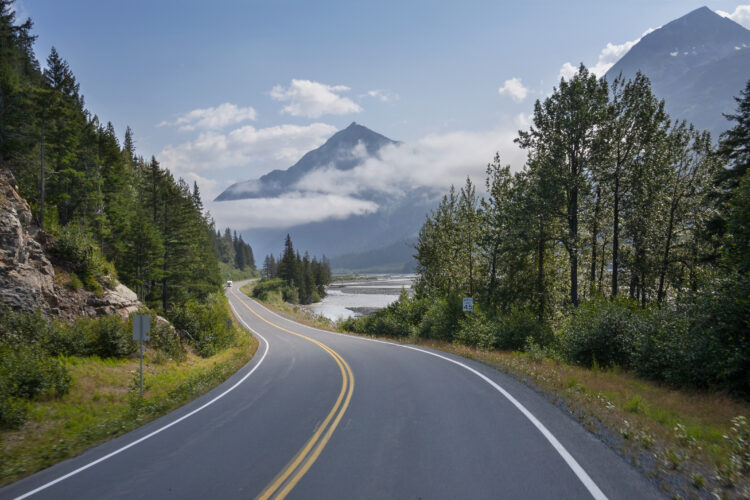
[(468, 304), (141, 330)]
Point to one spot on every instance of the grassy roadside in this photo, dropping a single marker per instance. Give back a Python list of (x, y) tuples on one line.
[(690, 442), (103, 403)]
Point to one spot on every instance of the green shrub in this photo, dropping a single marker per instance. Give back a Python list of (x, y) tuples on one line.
[(107, 337), (205, 324), (602, 331), (441, 319), (477, 330), (519, 325), (75, 282), (75, 247), (275, 290), (165, 339), (27, 371), (22, 328), (92, 285), (13, 411)]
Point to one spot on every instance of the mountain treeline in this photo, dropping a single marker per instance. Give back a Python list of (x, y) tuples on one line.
[(103, 202), (623, 241), (112, 215), (297, 279)]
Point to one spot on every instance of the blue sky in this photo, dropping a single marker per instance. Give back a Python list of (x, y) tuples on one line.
[(267, 81)]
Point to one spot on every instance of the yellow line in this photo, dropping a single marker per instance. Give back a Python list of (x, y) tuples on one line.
[(303, 460)]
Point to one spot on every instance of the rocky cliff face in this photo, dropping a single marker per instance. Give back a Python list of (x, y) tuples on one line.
[(27, 275)]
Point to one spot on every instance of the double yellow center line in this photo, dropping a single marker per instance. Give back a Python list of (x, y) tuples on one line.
[(286, 480)]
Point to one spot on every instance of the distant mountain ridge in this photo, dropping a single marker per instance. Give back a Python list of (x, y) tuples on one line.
[(340, 151), (697, 64), (380, 241)]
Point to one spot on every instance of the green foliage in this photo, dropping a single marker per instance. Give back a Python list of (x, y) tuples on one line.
[(305, 278), (205, 324), (164, 338), (75, 282), (442, 318), (601, 331), (275, 290), (76, 249), (13, 411), (27, 371), (477, 330), (518, 327), (106, 337)]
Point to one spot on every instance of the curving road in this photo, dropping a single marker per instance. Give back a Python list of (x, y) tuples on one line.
[(322, 415)]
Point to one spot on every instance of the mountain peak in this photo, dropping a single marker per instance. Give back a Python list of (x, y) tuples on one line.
[(343, 151), (697, 63)]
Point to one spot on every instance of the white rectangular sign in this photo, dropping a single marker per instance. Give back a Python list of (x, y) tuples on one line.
[(468, 304)]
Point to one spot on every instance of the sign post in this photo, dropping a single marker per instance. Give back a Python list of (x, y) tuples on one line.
[(141, 330), (468, 304)]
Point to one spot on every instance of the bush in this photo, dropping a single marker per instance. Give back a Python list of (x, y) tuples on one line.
[(26, 371), (275, 291), (77, 249), (205, 324), (602, 331), (515, 328), (165, 339), (107, 337), (13, 411), (441, 319), (477, 330), (75, 282)]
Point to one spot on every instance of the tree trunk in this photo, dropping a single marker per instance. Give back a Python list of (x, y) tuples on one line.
[(594, 234), (616, 234), (573, 244), (665, 257), (540, 275)]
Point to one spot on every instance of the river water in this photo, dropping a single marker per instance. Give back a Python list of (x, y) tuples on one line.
[(361, 296)]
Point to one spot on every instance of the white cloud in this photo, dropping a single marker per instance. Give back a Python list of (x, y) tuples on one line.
[(515, 89), (609, 55), (741, 15), (214, 118), (313, 99), (287, 210), (256, 150), (567, 71), (436, 161), (382, 95)]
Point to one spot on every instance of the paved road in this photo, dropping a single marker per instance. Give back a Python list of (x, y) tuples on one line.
[(323, 415)]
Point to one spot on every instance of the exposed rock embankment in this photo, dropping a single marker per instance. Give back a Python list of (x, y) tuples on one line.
[(27, 275)]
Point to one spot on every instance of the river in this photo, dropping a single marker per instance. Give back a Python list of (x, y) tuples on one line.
[(363, 295)]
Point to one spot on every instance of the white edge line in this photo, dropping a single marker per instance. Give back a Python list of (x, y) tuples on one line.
[(157, 431), (566, 456)]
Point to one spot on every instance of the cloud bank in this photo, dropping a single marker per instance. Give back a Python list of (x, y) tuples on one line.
[(434, 161), (287, 210), (313, 99), (256, 149)]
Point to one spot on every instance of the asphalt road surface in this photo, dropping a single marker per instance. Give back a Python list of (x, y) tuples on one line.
[(321, 415)]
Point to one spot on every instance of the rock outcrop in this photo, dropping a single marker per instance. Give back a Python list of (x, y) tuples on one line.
[(27, 275)]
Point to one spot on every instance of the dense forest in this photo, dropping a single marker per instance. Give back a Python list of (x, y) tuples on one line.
[(297, 279), (112, 216), (623, 241), (98, 197)]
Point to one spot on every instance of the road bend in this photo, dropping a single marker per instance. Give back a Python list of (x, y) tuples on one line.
[(322, 415)]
